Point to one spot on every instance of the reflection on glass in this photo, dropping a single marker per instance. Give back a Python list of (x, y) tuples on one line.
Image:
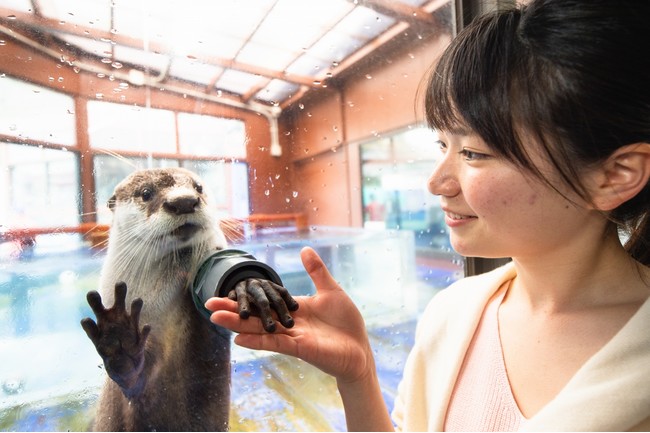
[(394, 173)]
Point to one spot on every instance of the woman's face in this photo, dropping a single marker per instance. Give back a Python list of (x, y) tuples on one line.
[(495, 209)]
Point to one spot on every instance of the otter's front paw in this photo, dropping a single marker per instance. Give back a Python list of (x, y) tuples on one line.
[(118, 338), (260, 298)]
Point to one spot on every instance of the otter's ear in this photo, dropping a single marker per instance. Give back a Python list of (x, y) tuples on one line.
[(111, 202), (622, 176)]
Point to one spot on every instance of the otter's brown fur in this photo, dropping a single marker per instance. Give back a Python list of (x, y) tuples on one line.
[(176, 377)]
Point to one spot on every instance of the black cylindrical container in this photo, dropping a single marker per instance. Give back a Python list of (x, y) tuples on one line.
[(220, 272)]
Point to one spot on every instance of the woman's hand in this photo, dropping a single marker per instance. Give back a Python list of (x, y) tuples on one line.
[(329, 331)]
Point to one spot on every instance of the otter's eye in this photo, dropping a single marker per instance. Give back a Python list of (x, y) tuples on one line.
[(146, 194), (199, 188)]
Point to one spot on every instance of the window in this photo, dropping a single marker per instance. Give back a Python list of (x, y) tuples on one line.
[(211, 136), (130, 128), (37, 113), (42, 187)]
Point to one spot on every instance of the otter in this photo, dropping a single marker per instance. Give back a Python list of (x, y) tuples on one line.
[(173, 373)]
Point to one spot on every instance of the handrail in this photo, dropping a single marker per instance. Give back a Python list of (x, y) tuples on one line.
[(97, 234)]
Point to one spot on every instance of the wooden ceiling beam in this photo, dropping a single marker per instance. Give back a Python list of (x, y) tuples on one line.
[(35, 24)]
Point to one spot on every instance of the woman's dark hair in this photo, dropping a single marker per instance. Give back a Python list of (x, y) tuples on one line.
[(569, 74)]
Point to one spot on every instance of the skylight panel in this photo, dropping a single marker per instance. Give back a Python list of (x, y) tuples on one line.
[(266, 56), (238, 82), (364, 23), (88, 13), (297, 24), (193, 70), (335, 46), (146, 59), (277, 90), (310, 66)]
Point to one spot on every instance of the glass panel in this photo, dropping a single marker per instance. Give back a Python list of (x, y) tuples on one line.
[(193, 70), (228, 184), (211, 136), (95, 13), (35, 112), (395, 171), (40, 187), (338, 178), (110, 170), (128, 127)]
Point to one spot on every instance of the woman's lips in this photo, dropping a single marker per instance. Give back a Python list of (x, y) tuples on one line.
[(453, 219)]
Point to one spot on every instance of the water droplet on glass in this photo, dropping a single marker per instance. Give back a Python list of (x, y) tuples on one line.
[(295, 194), (267, 192)]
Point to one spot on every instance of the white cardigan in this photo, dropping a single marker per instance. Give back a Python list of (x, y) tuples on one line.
[(610, 392)]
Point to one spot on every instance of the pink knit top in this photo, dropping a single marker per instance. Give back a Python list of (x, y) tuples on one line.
[(482, 399)]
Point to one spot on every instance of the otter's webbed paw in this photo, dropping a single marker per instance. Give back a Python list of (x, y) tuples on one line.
[(118, 339), (261, 298)]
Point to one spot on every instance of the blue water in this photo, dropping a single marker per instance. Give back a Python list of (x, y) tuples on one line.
[(50, 374)]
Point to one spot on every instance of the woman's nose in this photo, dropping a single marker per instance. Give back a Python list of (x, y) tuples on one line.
[(443, 181)]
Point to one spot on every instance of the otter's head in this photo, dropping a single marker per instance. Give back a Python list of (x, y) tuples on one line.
[(164, 210)]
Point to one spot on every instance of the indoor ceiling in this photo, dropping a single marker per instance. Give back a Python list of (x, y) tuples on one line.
[(268, 52)]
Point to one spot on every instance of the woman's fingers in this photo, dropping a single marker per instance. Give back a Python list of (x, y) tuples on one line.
[(218, 303), (317, 271)]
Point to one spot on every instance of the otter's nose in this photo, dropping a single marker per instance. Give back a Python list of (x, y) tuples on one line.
[(181, 205)]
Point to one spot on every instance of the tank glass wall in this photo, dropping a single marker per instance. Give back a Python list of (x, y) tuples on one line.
[(66, 141)]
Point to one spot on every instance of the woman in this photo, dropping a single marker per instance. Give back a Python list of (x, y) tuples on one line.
[(543, 114)]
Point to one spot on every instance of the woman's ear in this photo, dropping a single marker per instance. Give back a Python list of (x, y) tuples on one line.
[(622, 176)]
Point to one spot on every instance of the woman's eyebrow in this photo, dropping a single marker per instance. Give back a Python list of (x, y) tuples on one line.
[(458, 130)]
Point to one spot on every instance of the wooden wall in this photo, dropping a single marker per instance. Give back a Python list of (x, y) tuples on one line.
[(328, 128), (318, 172)]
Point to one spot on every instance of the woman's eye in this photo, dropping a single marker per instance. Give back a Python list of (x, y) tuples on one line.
[(442, 146), (470, 155)]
